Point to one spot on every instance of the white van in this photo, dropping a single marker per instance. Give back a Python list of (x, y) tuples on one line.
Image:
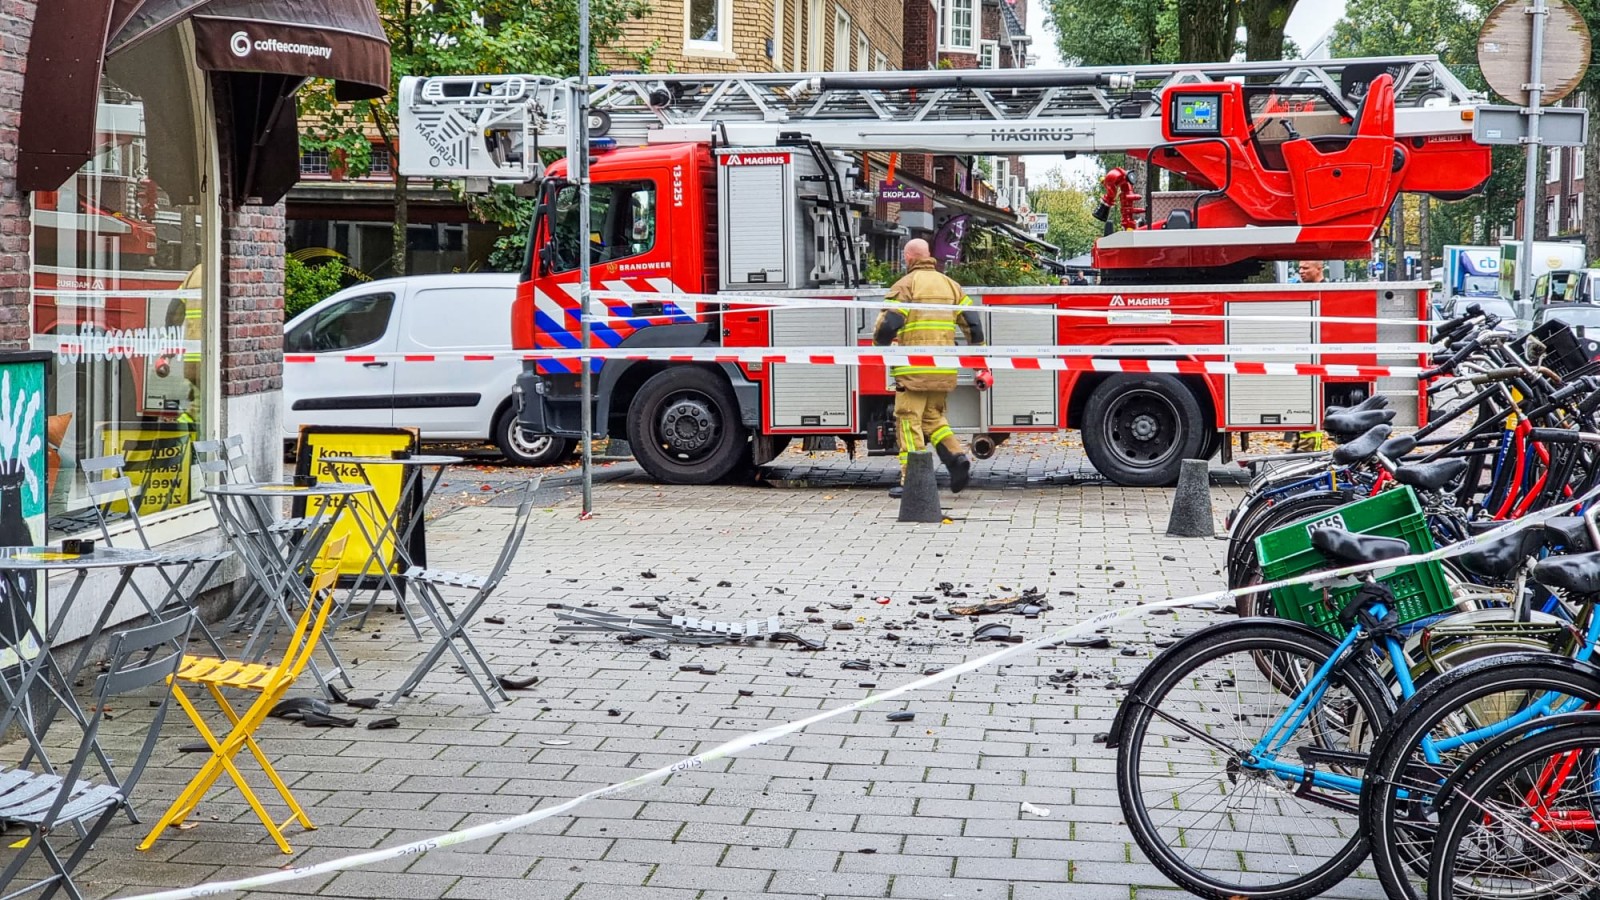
[(447, 401)]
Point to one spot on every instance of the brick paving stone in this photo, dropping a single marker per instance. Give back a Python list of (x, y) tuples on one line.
[(937, 798)]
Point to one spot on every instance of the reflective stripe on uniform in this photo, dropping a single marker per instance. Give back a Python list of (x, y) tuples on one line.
[(939, 434), (964, 301), (897, 371), (928, 326)]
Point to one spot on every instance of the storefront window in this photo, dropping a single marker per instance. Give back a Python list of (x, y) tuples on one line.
[(119, 293)]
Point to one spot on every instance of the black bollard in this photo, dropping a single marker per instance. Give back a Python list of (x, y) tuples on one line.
[(1191, 502), (920, 502)]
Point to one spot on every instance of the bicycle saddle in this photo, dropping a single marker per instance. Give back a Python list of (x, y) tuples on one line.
[(1347, 426), (1398, 446), (1501, 558), (1376, 401), (1362, 447), (1573, 574), (1569, 533), (1431, 476), (1349, 547)]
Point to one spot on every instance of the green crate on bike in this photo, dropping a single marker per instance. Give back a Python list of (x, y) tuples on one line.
[(1420, 590)]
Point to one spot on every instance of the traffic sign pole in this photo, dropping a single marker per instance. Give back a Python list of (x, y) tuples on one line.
[(1530, 183)]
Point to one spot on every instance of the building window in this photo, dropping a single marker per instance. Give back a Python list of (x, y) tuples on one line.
[(313, 162), (1552, 216), (841, 42), (814, 10), (863, 53), (124, 260), (1552, 172), (706, 24), (881, 63), (958, 25), (1574, 213), (381, 160), (988, 54)]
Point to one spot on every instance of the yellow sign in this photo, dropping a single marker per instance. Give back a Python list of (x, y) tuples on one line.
[(158, 458), (321, 449)]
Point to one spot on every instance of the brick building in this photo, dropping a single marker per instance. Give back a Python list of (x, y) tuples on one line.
[(147, 149), (764, 36)]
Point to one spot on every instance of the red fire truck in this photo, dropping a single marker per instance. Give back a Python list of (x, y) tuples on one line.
[(710, 192)]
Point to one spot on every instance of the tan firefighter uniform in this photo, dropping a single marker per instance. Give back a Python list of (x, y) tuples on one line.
[(921, 391)]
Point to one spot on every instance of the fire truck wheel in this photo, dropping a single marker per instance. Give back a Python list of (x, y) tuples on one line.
[(684, 427), (521, 450), (1138, 429)]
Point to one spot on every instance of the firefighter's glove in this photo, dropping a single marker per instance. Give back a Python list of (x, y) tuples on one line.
[(888, 327)]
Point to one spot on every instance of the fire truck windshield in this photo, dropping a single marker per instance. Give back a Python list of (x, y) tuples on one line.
[(622, 222)]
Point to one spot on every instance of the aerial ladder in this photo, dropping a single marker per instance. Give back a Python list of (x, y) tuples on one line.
[(1277, 160)]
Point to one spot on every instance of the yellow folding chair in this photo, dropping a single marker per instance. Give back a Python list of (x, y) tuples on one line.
[(270, 684)]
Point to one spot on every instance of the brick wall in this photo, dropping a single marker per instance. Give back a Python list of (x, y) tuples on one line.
[(16, 24), (252, 299), (920, 23), (752, 28), (664, 27), (252, 279)]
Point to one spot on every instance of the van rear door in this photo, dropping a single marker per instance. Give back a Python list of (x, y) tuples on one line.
[(337, 391), (449, 397)]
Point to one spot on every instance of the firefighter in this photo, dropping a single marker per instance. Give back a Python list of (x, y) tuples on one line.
[(921, 392)]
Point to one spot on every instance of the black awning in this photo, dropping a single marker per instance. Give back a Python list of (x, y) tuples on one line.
[(338, 39), (61, 92), (294, 39)]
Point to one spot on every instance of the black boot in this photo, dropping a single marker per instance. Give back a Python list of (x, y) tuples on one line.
[(959, 466)]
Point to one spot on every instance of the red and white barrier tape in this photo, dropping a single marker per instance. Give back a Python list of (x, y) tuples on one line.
[(1133, 309), (1088, 626), (1077, 358)]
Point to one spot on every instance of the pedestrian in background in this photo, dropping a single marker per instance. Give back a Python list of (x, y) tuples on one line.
[(1312, 271)]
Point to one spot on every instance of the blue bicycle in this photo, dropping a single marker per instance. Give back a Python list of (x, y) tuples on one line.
[(1243, 751)]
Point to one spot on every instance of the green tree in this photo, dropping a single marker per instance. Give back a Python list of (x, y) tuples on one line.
[(1449, 29), (1073, 227), (305, 286), (1132, 32), (450, 37)]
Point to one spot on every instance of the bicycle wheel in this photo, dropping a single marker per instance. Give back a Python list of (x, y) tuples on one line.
[(1398, 809), (1522, 824), (1197, 798)]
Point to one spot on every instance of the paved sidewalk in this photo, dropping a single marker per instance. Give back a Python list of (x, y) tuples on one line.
[(854, 808)]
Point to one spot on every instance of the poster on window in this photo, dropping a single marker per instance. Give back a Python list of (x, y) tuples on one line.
[(157, 457), (23, 487)]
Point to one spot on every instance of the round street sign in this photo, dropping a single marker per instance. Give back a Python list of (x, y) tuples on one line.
[(1505, 49)]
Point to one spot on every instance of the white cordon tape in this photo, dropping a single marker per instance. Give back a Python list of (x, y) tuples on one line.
[(1070, 358), (1136, 311), (765, 736)]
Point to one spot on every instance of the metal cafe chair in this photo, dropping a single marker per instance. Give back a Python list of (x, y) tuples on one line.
[(451, 623), (115, 499), (45, 804), (224, 461), (269, 683)]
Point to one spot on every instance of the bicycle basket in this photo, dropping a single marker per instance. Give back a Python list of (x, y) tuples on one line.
[(1420, 590)]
